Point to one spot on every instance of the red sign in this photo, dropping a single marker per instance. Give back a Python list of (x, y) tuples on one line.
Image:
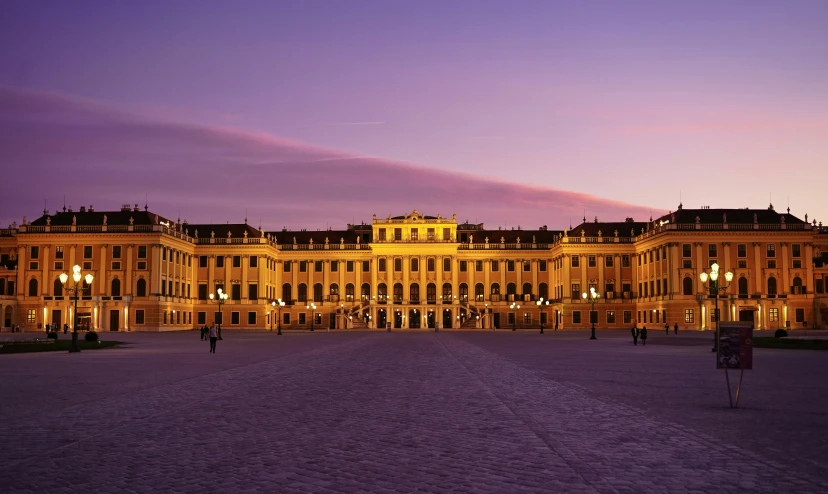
[(735, 346)]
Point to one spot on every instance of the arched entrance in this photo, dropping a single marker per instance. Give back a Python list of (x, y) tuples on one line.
[(446, 318), (381, 319), (414, 319), (430, 319), (398, 319)]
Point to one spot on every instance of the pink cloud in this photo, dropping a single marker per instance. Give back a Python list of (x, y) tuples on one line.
[(52, 144)]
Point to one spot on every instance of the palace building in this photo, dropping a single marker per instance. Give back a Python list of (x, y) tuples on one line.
[(414, 272)]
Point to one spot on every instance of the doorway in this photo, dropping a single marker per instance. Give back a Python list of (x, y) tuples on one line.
[(430, 319), (57, 321), (746, 315), (332, 320), (496, 317), (446, 318), (114, 316), (398, 319), (381, 318), (414, 319)]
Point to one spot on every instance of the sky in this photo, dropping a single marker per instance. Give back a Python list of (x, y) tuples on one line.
[(311, 114)]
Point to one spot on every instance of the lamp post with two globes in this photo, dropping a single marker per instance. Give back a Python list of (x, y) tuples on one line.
[(514, 307), (220, 299), (277, 304), (591, 297), (76, 276), (714, 287), (312, 308), (541, 303)]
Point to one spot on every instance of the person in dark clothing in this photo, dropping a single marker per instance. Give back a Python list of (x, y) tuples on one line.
[(667, 329), (204, 331), (644, 336), (675, 328), (65, 328), (634, 332), (213, 337)]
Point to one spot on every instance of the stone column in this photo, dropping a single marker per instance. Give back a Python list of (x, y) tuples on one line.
[(102, 272), (155, 271), (786, 267), (21, 270), (438, 268), (455, 276), (406, 267), (757, 267), (245, 267), (128, 283)]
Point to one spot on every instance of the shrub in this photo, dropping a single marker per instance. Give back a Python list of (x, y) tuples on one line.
[(52, 336), (91, 336), (780, 333)]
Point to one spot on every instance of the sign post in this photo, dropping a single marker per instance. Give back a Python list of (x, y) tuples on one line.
[(735, 351)]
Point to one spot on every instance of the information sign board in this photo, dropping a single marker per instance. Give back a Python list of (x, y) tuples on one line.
[(735, 346)]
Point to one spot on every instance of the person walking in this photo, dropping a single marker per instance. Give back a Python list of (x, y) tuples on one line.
[(667, 329), (65, 328), (213, 338), (644, 336), (675, 328), (634, 332)]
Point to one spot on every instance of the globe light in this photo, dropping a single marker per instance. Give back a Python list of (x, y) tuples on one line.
[(715, 267), (703, 277), (728, 276), (714, 275), (63, 278), (89, 279)]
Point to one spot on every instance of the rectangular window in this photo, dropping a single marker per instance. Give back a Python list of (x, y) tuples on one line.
[(773, 315), (116, 265), (218, 318), (658, 253), (686, 250), (771, 250), (818, 285), (800, 315), (202, 261), (163, 253), (397, 234), (478, 266), (510, 266), (366, 266), (576, 317), (741, 250), (317, 266), (286, 266), (201, 318), (139, 316), (33, 265), (542, 265), (712, 251), (236, 261), (202, 291), (58, 252), (446, 234), (625, 261), (527, 266), (381, 264), (235, 291), (495, 266), (87, 264), (575, 262), (303, 318), (639, 259), (415, 234), (591, 262), (796, 250), (397, 265), (688, 263), (142, 264), (689, 316), (576, 290), (334, 266), (463, 266), (254, 261), (286, 318), (771, 263), (527, 318), (349, 266), (116, 252), (87, 252), (608, 261), (251, 318), (797, 263), (627, 316), (58, 264), (610, 317), (650, 256), (447, 264), (34, 252), (142, 252), (235, 317), (741, 263), (430, 234), (381, 232), (303, 266), (31, 316), (165, 317), (253, 291), (219, 261)]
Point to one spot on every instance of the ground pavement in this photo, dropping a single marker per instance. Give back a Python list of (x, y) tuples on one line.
[(403, 412)]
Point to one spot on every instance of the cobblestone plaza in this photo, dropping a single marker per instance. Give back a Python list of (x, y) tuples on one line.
[(403, 412)]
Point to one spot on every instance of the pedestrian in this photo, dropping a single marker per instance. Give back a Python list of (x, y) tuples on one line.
[(213, 338), (65, 328), (675, 328), (644, 336), (204, 332), (634, 332), (667, 329)]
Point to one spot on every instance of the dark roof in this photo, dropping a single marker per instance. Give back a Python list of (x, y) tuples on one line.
[(421, 216), (511, 236), (220, 230), (607, 229), (765, 216), (304, 237), (87, 218)]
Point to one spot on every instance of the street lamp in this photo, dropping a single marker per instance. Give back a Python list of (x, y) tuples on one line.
[(591, 297), (541, 303), (277, 304), (312, 308), (76, 276), (514, 308), (220, 299), (714, 287)]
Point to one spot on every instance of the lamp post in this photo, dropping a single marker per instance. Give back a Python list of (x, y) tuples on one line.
[(277, 304), (541, 303), (76, 276), (591, 297), (714, 287), (220, 299), (514, 308), (312, 308)]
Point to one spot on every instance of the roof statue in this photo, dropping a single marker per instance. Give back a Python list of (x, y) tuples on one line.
[(533, 239), (310, 241), (212, 234), (229, 234), (196, 233), (471, 238), (74, 220), (357, 238), (502, 240), (326, 240), (245, 234), (48, 220), (755, 218), (104, 219), (616, 232), (518, 240), (599, 233), (724, 217), (698, 220), (341, 240), (294, 240), (782, 219)]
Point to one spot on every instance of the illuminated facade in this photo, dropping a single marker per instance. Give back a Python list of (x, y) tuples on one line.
[(414, 272)]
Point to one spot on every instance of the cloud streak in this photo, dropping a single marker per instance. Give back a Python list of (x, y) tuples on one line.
[(52, 144)]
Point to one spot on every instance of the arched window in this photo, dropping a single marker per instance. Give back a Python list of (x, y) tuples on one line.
[(302, 295), (116, 288), (349, 292), (287, 294), (797, 281), (33, 288), (382, 292), (414, 293), (317, 292), (511, 289), (743, 286), (797, 285), (58, 288), (495, 288), (527, 289), (446, 292), (334, 288), (398, 293), (141, 288), (478, 292), (431, 293), (543, 291), (365, 292), (772, 286), (464, 292), (687, 286), (415, 265)]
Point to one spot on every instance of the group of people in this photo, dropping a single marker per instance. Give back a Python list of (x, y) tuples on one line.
[(213, 333), (642, 333)]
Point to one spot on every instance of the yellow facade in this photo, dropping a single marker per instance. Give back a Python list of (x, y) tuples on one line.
[(414, 272)]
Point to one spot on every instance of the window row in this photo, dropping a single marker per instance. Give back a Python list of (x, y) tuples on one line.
[(414, 295)]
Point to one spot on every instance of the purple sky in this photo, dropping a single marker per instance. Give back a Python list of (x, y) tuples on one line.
[(523, 112)]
